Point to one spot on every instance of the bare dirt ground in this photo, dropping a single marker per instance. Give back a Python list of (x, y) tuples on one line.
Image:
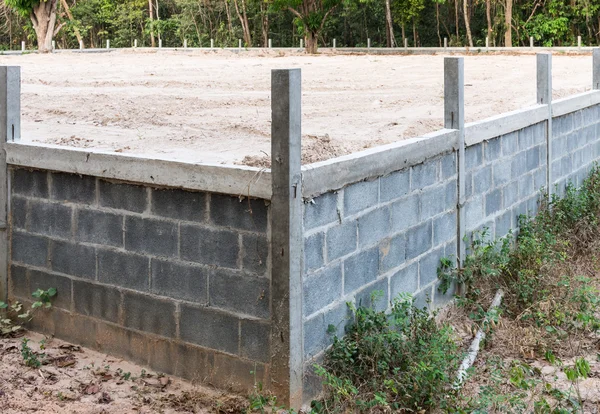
[(74, 379), (215, 106)]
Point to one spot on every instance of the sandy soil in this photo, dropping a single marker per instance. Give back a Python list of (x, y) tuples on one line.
[(74, 379), (215, 106)]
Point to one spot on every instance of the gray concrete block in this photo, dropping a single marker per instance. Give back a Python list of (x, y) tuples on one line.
[(418, 240), (501, 172), (539, 133), (533, 158), (322, 289), (493, 202), (179, 281), (422, 299), (51, 219), (519, 165), (572, 140), (469, 184), (45, 281), (246, 214), (209, 328), (440, 299), (360, 269), (122, 196), (405, 213), (525, 138), (149, 314), (559, 147), (526, 186), (405, 280), (313, 252), (179, 204), (210, 247), (28, 183), (374, 296), (492, 149), (73, 188), (474, 212), (19, 282), (341, 240), (473, 156), (566, 165), (392, 253), (123, 269), (99, 227), (555, 168), (451, 249), (360, 196), (451, 196), (98, 301), (29, 249), (444, 228), (18, 212), (239, 293), (254, 340), (448, 165), (423, 175), (73, 259), (373, 226), (563, 124), (510, 143), (146, 235), (428, 266), (510, 193), (321, 211), (503, 224), (395, 185), (433, 202), (255, 253), (316, 335), (482, 179)]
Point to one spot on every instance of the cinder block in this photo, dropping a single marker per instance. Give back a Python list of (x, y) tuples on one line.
[(405, 280), (448, 164), (539, 133), (51, 219), (193, 362), (440, 299), (123, 269), (247, 214), (99, 227), (210, 247), (321, 211), (254, 340), (149, 314), (503, 224), (510, 194), (428, 267), (525, 138), (118, 341), (45, 281), (444, 228), (474, 212), (29, 183), (179, 204), (566, 165), (209, 328), (239, 293), (18, 283), (322, 289), (313, 252), (482, 179), (145, 235), (533, 158), (418, 240), (519, 165), (360, 196), (423, 175), (433, 202), (510, 143), (492, 149), (394, 185), (29, 249), (18, 212), (451, 249), (341, 240), (405, 213), (526, 187), (255, 253), (73, 188), (392, 253), (493, 202), (374, 296), (360, 269), (501, 172), (473, 156), (316, 330), (123, 196), (451, 194), (236, 374), (95, 300), (73, 259), (422, 299), (373, 226), (179, 281), (468, 184), (572, 140)]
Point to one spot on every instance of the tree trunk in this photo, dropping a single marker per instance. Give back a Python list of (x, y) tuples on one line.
[(151, 14), (265, 25), (488, 15), (437, 21), (43, 19), (457, 20), (243, 16), (508, 22), (228, 14), (403, 33), (467, 24), (389, 26), (414, 33), (157, 19), (311, 43), (70, 16)]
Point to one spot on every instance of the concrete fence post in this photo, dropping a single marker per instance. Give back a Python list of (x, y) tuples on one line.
[(544, 97), (23, 46), (334, 44), (239, 43), (445, 43), (185, 43), (454, 118), (579, 42), (596, 68), (53, 45), (212, 43), (531, 42), (135, 43), (405, 43), (108, 43), (159, 43), (487, 42), (81, 45), (10, 131), (270, 43), (368, 43), (286, 237), (301, 43)]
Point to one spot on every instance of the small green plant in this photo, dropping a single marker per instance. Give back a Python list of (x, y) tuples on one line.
[(13, 316), (44, 297), (30, 357)]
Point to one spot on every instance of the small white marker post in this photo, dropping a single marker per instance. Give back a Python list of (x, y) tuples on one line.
[(81, 45), (108, 44), (23, 46), (334, 44), (579, 42), (445, 43), (212, 43), (596, 68), (301, 43), (544, 97), (185, 43), (135, 43), (239, 43), (405, 43), (53, 45), (270, 43), (368, 43), (487, 42), (159, 43), (531, 42)]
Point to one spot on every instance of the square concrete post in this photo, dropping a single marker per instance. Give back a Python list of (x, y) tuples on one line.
[(579, 42), (81, 45), (445, 43), (544, 97), (108, 43), (301, 43), (454, 118), (135, 43), (596, 68), (368, 43), (239, 43), (286, 237), (531, 42), (23, 46), (405, 43), (53, 45), (270, 43), (185, 43), (159, 43), (334, 43), (487, 42), (10, 131), (212, 43)]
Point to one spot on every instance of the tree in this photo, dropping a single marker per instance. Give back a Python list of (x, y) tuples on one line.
[(508, 23), (43, 17)]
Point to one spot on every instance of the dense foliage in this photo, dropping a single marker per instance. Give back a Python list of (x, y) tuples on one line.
[(422, 22)]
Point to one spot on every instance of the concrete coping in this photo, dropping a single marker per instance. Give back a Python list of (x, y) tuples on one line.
[(575, 103), (224, 179)]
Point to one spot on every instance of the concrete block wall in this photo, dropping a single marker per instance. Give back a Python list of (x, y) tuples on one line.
[(176, 280), (575, 146), (504, 176), (388, 235)]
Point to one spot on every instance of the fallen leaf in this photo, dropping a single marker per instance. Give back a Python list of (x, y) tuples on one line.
[(92, 389)]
